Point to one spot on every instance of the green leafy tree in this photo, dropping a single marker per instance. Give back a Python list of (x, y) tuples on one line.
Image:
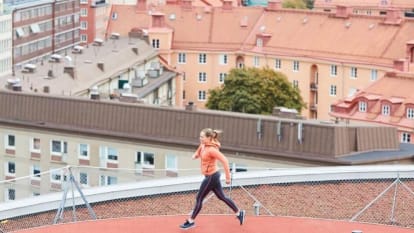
[(253, 90)]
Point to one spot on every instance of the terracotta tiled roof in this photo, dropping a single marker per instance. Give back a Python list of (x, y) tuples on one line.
[(357, 39), (396, 3)]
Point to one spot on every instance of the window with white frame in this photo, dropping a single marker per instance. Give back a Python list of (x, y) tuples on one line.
[(259, 42), (83, 38), (83, 25), (10, 194), (202, 95), (256, 61), (156, 43), (35, 171), (108, 180), (202, 58), (295, 83), (83, 12), (145, 159), (332, 90), (405, 137), (10, 168), (296, 66), (10, 141), (112, 154), (222, 77), (374, 75), (182, 58), (202, 77), (386, 109), (35, 145), (56, 176), (171, 163), (58, 147), (278, 63), (362, 106), (84, 151), (410, 113), (114, 15), (334, 70), (354, 72), (223, 59), (83, 178)]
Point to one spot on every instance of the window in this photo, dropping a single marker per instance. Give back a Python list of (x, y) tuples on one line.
[(84, 38), (223, 59), (296, 66), (145, 159), (83, 1), (83, 12), (83, 178), (332, 90), (362, 106), (114, 15), (334, 70), (58, 147), (112, 154), (405, 137), (354, 72), (108, 180), (295, 83), (222, 76), (256, 61), (35, 145), (156, 43), (374, 75), (10, 168), (202, 77), (171, 163), (410, 113), (83, 25), (10, 141), (182, 59), (278, 64), (56, 176), (201, 95), (259, 42), (202, 58), (35, 171), (83, 150), (10, 194), (386, 110)]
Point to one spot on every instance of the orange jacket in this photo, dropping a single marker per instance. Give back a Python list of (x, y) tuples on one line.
[(209, 154)]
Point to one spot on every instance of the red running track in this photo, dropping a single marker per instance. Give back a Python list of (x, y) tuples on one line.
[(216, 224)]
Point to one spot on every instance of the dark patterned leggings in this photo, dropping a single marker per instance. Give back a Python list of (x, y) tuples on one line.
[(211, 183)]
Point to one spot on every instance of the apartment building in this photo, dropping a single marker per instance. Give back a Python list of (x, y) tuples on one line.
[(329, 56), (42, 28), (50, 132), (5, 41), (367, 7), (388, 101), (94, 15)]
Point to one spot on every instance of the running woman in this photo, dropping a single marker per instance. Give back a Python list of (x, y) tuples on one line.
[(209, 153)]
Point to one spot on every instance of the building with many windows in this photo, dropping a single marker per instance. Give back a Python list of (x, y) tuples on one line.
[(329, 56), (42, 28), (389, 101), (46, 133), (5, 41), (94, 15)]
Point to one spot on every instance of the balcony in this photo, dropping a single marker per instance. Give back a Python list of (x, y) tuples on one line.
[(314, 87)]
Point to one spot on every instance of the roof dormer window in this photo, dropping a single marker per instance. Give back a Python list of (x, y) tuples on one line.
[(410, 113), (362, 106), (386, 109)]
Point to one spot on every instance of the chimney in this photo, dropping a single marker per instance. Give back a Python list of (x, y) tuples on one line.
[(101, 66), (393, 17), (343, 11), (191, 106), (187, 4), (400, 65), (69, 70), (227, 4), (274, 5), (158, 20), (141, 5), (135, 50)]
